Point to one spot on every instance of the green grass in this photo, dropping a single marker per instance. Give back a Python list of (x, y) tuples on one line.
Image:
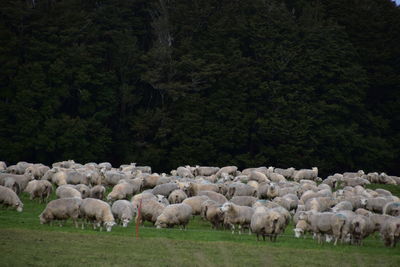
[(23, 241), (394, 189)]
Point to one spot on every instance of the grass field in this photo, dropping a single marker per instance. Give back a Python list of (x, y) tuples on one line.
[(23, 242)]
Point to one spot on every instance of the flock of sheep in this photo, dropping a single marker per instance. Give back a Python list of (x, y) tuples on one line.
[(261, 200)]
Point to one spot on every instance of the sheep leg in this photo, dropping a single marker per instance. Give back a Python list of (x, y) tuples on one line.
[(240, 229), (233, 228)]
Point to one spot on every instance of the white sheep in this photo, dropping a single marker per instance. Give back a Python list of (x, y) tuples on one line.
[(123, 212), (177, 196), (9, 198), (175, 214), (237, 215), (67, 191), (390, 231), (61, 209), (195, 203), (306, 174), (98, 212), (41, 189)]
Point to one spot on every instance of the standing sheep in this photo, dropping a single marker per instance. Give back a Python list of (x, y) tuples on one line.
[(177, 196), (195, 203), (123, 212), (61, 209), (41, 189), (67, 191), (237, 215), (98, 212), (98, 192), (390, 232)]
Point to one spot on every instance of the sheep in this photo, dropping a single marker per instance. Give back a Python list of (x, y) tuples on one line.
[(360, 227), (319, 204), (205, 171), (192, 189), (343, 205), (355, 181), (66, 191), (254, 184), (243, 200), (150, 210), (136, 199), (392, 208), (258, 177), (287, 173), (267, 223), (123, 211), (64, 164), (361, 211), (3, 166), (175, 214), (10, 182), (286, 202), (19, 168), (195, 202), (56, 176), (375, 204), (378, 220), (41, 189), (122, 190), (217, 197), (150, 181), (112, 177), (9, 198), (83, 189), (267, 191), (265, 203), (37, 170), (228, 170), (177, 196), (211, 211), (165, 189), (98, 212), (61, 209), (301, 228), (386, 179), (21, 180), (98, 192), (76, 177), (237, 215), (383, 193), (239, 189), (276, 177), (353, 174), (390, 232), (306, 174), (184, 172)]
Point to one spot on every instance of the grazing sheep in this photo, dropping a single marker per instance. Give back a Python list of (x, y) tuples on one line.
[(3, 166), (56, 176), (211, 211), (37, 170), (10, 182), (276, 177), (165, 189), (112, 177), (392, 208), (343, 205), (123, 212), (301, 228), (196, 202), (286, 202), (378, 220), (98, 192), (287, 173), (98, 212), (353, 174), (175, 214), (66, 191), (9, 198), (244, 200), (319, 204), (355, 181), (177, 196), (41, 189), (205, 171), (21, 180), (390, 231), (237, 215), (230, 170), (306, 174), (184, 172), (123, 190), (150, 181), (83, 189), (217, 197), (259, 177), (150, 210), (61, 209), (376, 204)]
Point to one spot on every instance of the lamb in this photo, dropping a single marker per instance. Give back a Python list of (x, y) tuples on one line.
[(61, 209), (98, 212), (10, 182), (165, 189), (390, 231), (98, 192), (306, 174), (123, 212), (122, 190), (239, 189), (244, 200), (392, 208), (267, 223), (66, 191), (41, 189), (150, 210), (217, 197), (175, 214), (195, 202), (177, 196), (9, 198), (237, 215), (228, 170), (343, 205)]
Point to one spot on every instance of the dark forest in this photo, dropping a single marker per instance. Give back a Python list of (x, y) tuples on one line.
[(210, 82)]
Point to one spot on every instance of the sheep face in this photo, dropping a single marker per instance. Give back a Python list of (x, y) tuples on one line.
[(109, 225), (364, 202), (226, 207), (298, 232), (125, 222), (161, 222), (19, 207)]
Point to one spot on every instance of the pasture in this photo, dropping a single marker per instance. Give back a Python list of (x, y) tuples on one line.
[(24, 242)]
